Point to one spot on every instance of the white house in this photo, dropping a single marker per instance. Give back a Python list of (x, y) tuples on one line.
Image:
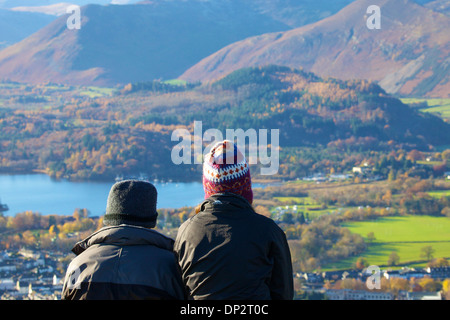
[(447, 175)]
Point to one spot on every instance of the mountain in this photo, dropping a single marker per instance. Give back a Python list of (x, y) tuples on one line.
[(409, 55), (150, 40), (16, 26), (440, 6), (38, 3), (57, 9), (130, 43), (296, 13)]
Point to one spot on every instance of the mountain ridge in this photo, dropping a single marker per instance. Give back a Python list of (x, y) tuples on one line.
[(128, 43), (341, 46)]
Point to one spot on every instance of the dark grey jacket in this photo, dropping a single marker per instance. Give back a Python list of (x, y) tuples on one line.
[(123, 262), (228, 251)]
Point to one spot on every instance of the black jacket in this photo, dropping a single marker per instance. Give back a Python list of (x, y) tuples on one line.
[(228, 251), (123, 262)]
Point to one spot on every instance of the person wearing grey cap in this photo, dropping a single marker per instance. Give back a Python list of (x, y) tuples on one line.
[(125, 259)]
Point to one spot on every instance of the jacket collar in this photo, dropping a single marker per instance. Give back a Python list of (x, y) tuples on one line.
[(227, 198), (123, 235)]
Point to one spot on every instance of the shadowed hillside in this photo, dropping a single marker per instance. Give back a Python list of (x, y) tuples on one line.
[(84, 135)]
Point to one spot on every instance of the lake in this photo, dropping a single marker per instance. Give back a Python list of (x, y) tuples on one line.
[(40, 193)]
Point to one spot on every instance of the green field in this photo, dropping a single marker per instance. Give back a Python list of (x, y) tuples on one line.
[(440, 107), (306, 205), (405, 235), (95, 92), (440, 193)]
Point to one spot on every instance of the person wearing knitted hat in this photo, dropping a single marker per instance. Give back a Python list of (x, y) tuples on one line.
[(227, 251), (225, 169), (125, 259)]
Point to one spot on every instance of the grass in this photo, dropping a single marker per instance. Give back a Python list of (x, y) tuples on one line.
[(439, 194), (306, 205), (440, 107), (95, 92), (429, 163), (406, 235), (296, 200), (176, 82)]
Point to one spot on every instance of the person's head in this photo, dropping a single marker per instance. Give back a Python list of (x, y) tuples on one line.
[(131, 202), (225, 169)]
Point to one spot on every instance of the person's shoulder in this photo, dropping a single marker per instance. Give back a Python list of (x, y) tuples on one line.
[(183, 227), (269, 224)]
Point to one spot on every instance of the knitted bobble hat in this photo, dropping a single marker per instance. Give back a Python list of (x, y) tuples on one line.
[(225, 169)]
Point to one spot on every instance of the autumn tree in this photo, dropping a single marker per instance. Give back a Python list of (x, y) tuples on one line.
[(361, 263), (429, 284), (53, 230), (446, 288), (28, 238), (438, 263), (398, 284)]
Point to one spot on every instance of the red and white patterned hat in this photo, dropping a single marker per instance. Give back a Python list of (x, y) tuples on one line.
[(225, 169)]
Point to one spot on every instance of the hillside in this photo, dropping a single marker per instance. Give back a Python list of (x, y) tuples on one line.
[(439, 6), (86, 133), (145, 41), (16, 26), (131, 43), (36, 3), (407, 56)]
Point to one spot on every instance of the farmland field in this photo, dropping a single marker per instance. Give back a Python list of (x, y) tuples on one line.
[(440, 107), (439, 193), (306, 205), (406, 235)]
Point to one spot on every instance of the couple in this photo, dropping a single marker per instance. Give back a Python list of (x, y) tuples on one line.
[(225, 251)]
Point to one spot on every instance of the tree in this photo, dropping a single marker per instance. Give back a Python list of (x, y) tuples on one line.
[(301, 218), (361, 263), (438, 263), (371, 237), (391, 176), (429, 285), (415, 155), (446, 212), (394, 259), (28, 238), (76, 214), (446, 287), (53, 230), (397, 284), (427, 252), (446, 155)]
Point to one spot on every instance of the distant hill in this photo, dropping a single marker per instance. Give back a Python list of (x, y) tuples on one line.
[(297, 13), (36, 3), (16, 26), (150, 40), (312, 110), (74, 135), (130, 43), (409, 55), (57, 9), (439, 6)]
